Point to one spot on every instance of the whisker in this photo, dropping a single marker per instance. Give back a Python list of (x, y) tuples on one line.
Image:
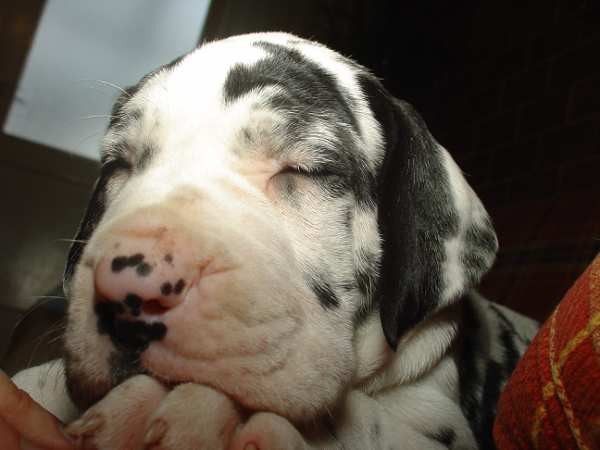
[(56, 327), (46, 297), (80, 241), (88, 137), (106, 83), (96, 116)]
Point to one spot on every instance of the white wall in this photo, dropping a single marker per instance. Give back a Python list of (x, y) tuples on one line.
[(116, 41)]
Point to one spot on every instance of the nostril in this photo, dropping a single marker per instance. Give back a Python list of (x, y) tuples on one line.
[(153, 307)]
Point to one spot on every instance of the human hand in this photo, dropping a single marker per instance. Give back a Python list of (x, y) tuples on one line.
[(24, 424)]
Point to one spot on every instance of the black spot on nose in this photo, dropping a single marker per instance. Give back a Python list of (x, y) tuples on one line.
[(166, 288), (144, 269), (179, 286), (121, 262), (134, 302)]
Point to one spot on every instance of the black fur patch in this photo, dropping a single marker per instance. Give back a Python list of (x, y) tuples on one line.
[(118, 119), (126, 335), (480, 387), (179, 286), (134, 302), (469, 376), (445, 436), (415, 214), (305, 82), (166, 288), (143, 269), (309, 88), (325, 294), (136, 335)]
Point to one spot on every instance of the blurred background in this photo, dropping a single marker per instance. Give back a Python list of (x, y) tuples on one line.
[(512, 89)]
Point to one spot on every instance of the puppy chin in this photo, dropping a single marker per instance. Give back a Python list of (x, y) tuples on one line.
[(85, 392), (86, 389)]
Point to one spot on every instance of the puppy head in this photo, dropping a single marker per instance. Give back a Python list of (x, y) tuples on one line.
[(259, 198)]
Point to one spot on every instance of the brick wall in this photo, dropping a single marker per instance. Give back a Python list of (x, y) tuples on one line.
[(521, 113)]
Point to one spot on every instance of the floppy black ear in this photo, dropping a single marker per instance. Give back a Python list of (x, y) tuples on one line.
[(437, 238)]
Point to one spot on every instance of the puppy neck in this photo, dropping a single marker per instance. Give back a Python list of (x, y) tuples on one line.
[(419, 350)]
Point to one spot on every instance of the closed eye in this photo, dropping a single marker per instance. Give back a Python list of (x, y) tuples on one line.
[(113, 165), (313, 172)]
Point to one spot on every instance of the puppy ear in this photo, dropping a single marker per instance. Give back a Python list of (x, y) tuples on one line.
[(438, 240)]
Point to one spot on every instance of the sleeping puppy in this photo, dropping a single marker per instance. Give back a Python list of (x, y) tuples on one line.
[(278, 254)]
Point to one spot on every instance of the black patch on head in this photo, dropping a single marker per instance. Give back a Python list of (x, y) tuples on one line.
[(134, 302), (179, 286), (325, 294), (309, 91), (143, 269), (445, 436), (304, 82), (166, 288)]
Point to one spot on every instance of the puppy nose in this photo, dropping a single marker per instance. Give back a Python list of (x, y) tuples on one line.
[(142, 275), (145, 276)]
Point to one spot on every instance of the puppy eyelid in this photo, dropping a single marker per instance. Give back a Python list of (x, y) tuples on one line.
[(115, 164), (317, 171)]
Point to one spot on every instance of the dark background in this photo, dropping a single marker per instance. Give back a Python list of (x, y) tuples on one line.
[(511, 88)]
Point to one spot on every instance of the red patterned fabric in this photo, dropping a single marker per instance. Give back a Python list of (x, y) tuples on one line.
[(552, 400)]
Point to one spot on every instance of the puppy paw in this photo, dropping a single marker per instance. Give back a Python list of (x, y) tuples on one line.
[(118, 421), (267, 431), (192, 416)]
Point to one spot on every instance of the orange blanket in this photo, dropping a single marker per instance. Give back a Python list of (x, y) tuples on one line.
[(552, 400)]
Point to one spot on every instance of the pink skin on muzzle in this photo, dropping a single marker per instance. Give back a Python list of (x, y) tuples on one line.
[(149, 270)]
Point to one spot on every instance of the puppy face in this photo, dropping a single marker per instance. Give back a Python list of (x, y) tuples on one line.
[(262, 203)]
